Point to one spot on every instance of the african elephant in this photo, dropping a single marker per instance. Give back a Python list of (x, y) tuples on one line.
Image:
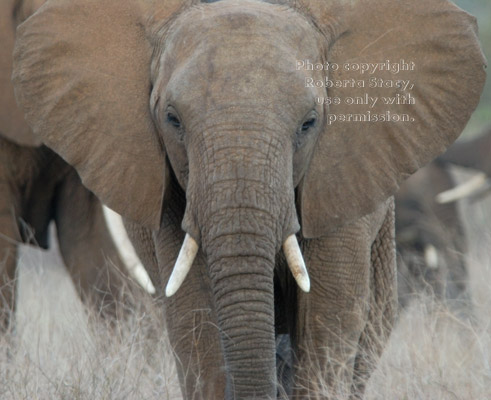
[(430, 236), (37, 187), (430, 239), (197, 123)]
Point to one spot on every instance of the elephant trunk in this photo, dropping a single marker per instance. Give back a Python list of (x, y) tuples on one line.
[(241, 265), (240, 208)]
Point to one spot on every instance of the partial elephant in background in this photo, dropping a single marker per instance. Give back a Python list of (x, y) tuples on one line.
[(430, 239), (473, 153), (195, 122), (430, 236), (37, 187)]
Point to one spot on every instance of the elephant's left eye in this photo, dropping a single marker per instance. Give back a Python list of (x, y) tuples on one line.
[(308, 124)]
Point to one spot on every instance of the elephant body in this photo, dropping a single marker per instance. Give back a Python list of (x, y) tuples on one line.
[(431, 242), (38, 187), (193, 121)]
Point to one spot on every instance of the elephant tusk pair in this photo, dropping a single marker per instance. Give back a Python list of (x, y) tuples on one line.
[(474, 186), (190, 247)]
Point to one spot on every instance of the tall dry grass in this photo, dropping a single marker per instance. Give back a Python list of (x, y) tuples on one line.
[(435, 353), (61, 350)]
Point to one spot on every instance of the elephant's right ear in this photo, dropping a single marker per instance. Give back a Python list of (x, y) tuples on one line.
[(82, 76)]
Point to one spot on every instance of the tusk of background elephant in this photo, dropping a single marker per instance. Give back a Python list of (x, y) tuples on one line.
[(431, 256), (296, 262), (463, 190), (184, 262), (126, 250)]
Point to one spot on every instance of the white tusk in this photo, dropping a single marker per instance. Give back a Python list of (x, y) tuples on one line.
[(127, 251), (140, 274), (463, 190), (296, 263), (431, 256), (184, 262)]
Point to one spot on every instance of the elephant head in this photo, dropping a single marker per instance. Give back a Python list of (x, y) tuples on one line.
[(139, 94)]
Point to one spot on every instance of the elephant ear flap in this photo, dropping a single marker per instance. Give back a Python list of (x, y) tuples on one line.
[(12, 123), (82, 76), (422, 73)]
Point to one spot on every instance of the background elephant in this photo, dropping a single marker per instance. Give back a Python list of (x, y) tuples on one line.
[(37, 187), (193, 122), (430, 239), (473, 153), (430, 236)]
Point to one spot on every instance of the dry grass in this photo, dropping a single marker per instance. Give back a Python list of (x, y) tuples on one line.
[(60, 351), (436, 355)]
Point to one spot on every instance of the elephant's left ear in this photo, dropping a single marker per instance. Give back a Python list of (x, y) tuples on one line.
[(422, 70), (12, 123)]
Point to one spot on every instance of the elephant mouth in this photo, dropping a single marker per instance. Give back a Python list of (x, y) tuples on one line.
[(190, 247)]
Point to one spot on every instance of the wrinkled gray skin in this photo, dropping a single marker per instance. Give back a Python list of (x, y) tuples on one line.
[(196, 121), (422, 224)]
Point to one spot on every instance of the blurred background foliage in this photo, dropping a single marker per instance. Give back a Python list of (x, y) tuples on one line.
[(481, 9)]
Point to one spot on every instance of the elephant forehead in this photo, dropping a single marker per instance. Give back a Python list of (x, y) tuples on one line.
[(260, 30), (239, 50)]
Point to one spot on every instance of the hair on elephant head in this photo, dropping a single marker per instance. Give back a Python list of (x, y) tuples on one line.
[(201, 116)]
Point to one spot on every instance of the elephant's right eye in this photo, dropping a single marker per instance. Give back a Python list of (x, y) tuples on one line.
[(173, 120)]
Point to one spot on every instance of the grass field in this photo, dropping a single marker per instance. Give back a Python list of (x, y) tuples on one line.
[(59, 350)]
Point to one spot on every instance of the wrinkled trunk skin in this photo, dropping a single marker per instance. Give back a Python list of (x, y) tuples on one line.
[(243, 206), (241, 271)]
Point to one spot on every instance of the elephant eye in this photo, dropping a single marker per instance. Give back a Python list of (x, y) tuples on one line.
[(173, 120), (308, 124)]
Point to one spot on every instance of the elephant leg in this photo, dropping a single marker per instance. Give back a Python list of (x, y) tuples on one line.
[(9, 239), (331, 318), (383, 305), (87, 247)]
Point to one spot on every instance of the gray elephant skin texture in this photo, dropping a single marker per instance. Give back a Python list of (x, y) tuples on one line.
[(194, 123)]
